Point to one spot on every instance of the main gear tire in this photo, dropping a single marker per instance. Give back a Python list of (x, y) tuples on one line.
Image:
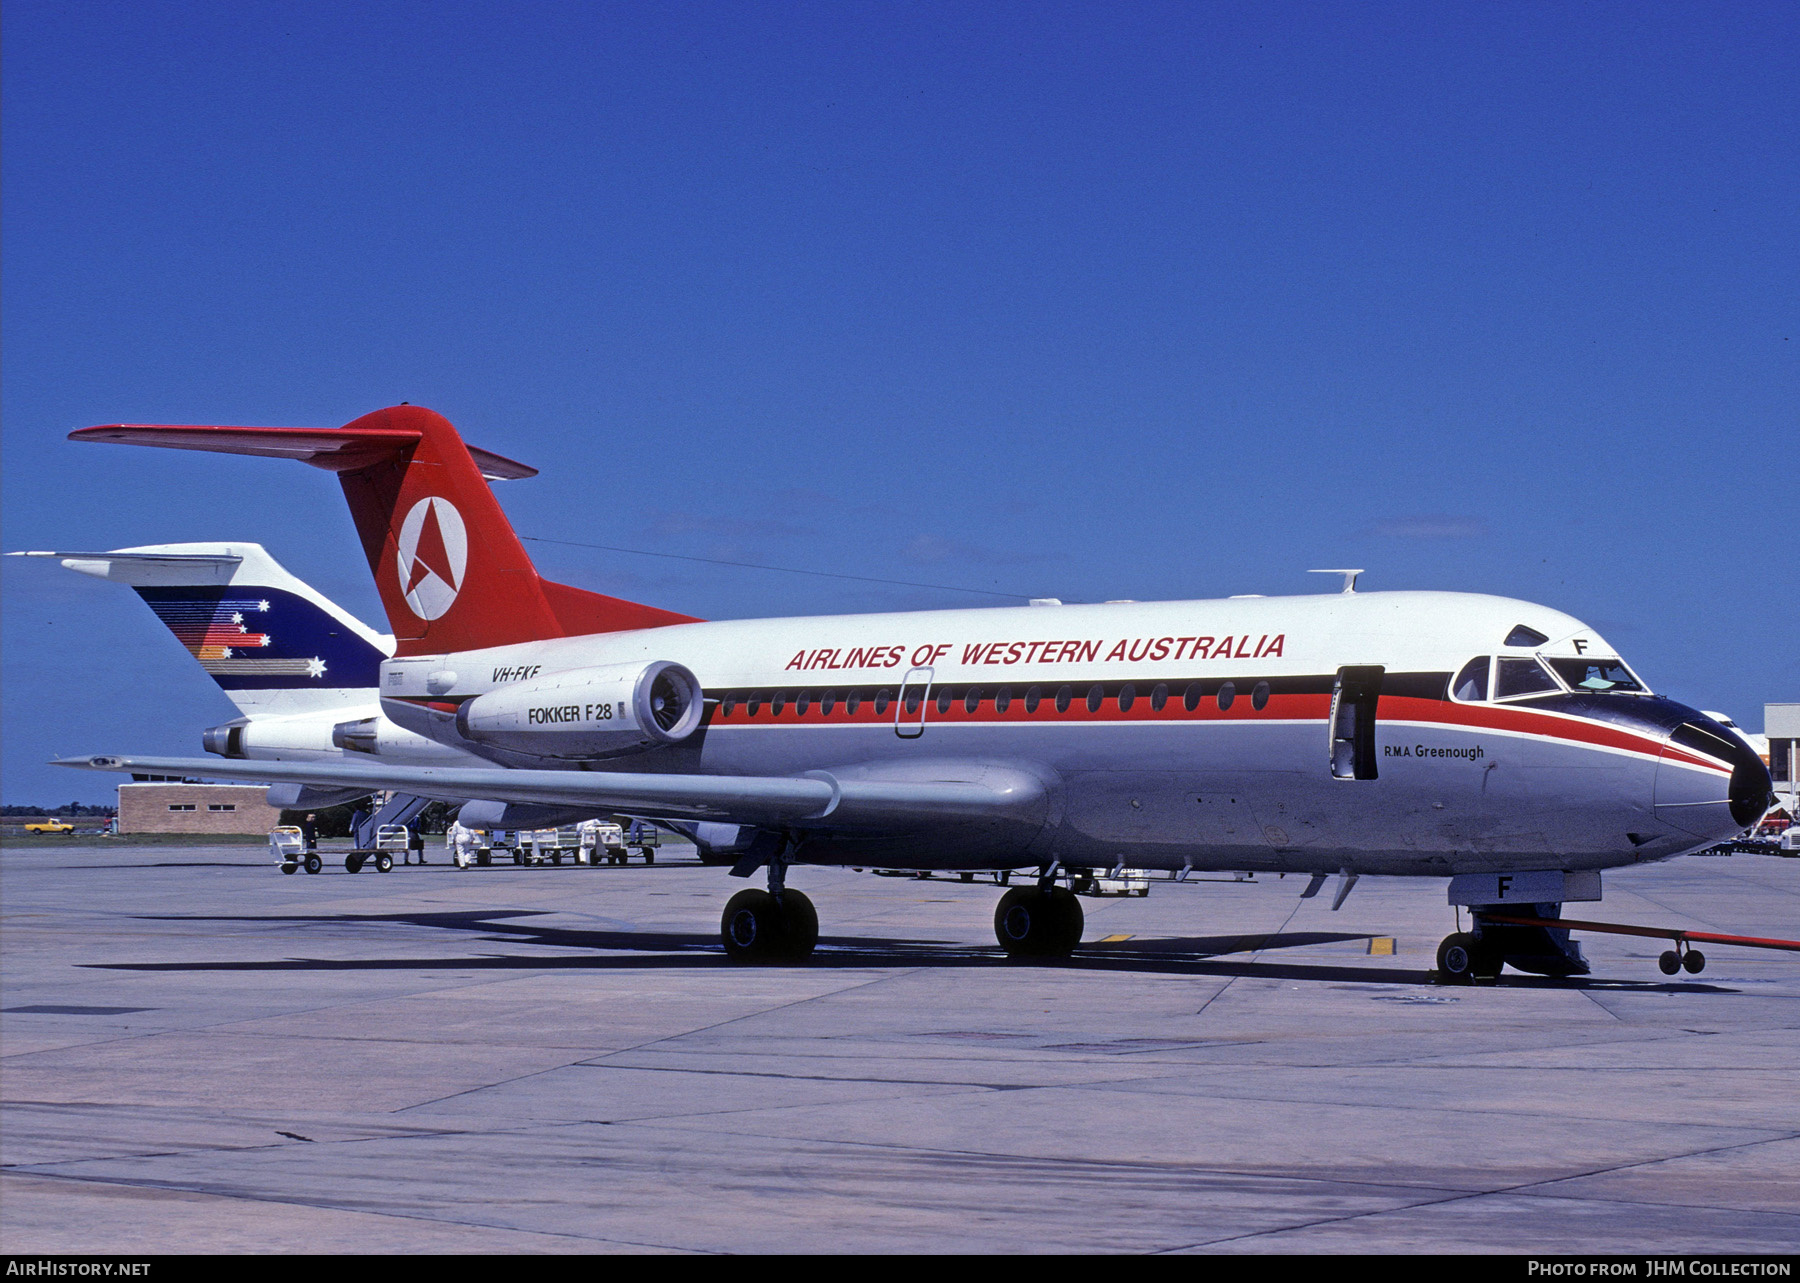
[(1034, 923), (751, 927), (757, 928), (800, 924)]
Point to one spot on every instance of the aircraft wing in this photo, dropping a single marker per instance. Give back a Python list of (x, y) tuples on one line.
[(815, 799)]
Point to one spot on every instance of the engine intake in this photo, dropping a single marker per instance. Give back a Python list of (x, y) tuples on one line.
[(588, 712)]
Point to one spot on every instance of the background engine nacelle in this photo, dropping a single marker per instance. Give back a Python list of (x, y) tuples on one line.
[(588, 712)]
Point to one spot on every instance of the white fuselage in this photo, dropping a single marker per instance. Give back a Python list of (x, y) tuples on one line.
[(1204, 734)]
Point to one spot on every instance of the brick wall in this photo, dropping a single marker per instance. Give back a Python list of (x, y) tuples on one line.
[(195, 808)]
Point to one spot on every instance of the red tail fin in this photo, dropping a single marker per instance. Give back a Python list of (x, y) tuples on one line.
[(451, 572)]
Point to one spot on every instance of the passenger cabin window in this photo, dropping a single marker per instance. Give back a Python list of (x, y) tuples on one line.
[(1032, 698), (972, 701), (1471, 685), (1127, 697), (1597, 675), (1003, 699), (1227, 694), (1065, 695), (945, 698), (1159, 696), (1095, 697), (1259, 698), (1518, 677)]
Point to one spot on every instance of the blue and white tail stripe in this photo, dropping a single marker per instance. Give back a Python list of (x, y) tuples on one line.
[(271, 642)]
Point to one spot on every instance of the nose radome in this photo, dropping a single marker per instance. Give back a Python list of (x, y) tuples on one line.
[(1709, 783)]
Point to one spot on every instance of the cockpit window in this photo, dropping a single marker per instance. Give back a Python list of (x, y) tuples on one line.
[(1587, 674), (1516, 677), (1523, 635), (1471, 684)]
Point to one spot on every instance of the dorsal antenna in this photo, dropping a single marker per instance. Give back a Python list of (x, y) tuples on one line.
[(1349, 577)]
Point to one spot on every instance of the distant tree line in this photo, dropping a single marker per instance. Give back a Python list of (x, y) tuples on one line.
[(67, 808)]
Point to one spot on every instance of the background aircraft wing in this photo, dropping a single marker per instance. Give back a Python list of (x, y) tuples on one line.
[(815, 799)]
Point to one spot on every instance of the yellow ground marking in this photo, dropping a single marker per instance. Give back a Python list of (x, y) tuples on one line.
[(1382, 945), (1112, 939)]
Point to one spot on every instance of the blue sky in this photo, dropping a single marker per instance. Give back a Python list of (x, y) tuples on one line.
[(1089, 301)]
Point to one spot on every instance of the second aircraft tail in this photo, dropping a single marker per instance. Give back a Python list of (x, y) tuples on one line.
[(273, 643)]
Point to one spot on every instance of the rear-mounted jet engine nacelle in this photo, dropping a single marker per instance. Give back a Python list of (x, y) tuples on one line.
[(588, 712)]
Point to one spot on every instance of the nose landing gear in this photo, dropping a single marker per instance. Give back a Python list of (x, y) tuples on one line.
[(1462, 959)]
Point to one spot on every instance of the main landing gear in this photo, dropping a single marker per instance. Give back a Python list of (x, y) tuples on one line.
[(1043, 921), (777, 925)]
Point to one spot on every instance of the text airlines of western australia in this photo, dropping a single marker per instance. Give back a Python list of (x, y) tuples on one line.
[(1133, 650)]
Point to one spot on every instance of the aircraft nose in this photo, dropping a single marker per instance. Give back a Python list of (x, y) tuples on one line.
[(1709, 782)]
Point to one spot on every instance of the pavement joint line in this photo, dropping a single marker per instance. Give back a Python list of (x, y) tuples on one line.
[(1594, 998), (358, 1209), (764, 1011), (833, 1078), (1416, 1108), (1255, 957), (1525, 1189), (701, 1029), (1099, 1165), (1113, 1084), (1434, 1061)]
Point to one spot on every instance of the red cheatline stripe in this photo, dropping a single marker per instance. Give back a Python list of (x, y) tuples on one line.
[(1535, 722), (1280, 707), (1303, 707), (1661, 933)]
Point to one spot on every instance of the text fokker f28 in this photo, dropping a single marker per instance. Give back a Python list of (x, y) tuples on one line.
[(1499, 744)]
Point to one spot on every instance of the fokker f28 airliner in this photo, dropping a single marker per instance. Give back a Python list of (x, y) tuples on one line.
[(1500, 744)]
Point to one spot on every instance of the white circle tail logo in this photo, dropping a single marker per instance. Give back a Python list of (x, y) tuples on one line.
[(434, 551)]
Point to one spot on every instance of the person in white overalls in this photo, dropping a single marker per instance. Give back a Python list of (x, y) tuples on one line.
[(461, 840), (590, 841)]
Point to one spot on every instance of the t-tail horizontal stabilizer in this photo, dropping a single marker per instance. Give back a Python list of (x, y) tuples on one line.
[(452, 574)]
